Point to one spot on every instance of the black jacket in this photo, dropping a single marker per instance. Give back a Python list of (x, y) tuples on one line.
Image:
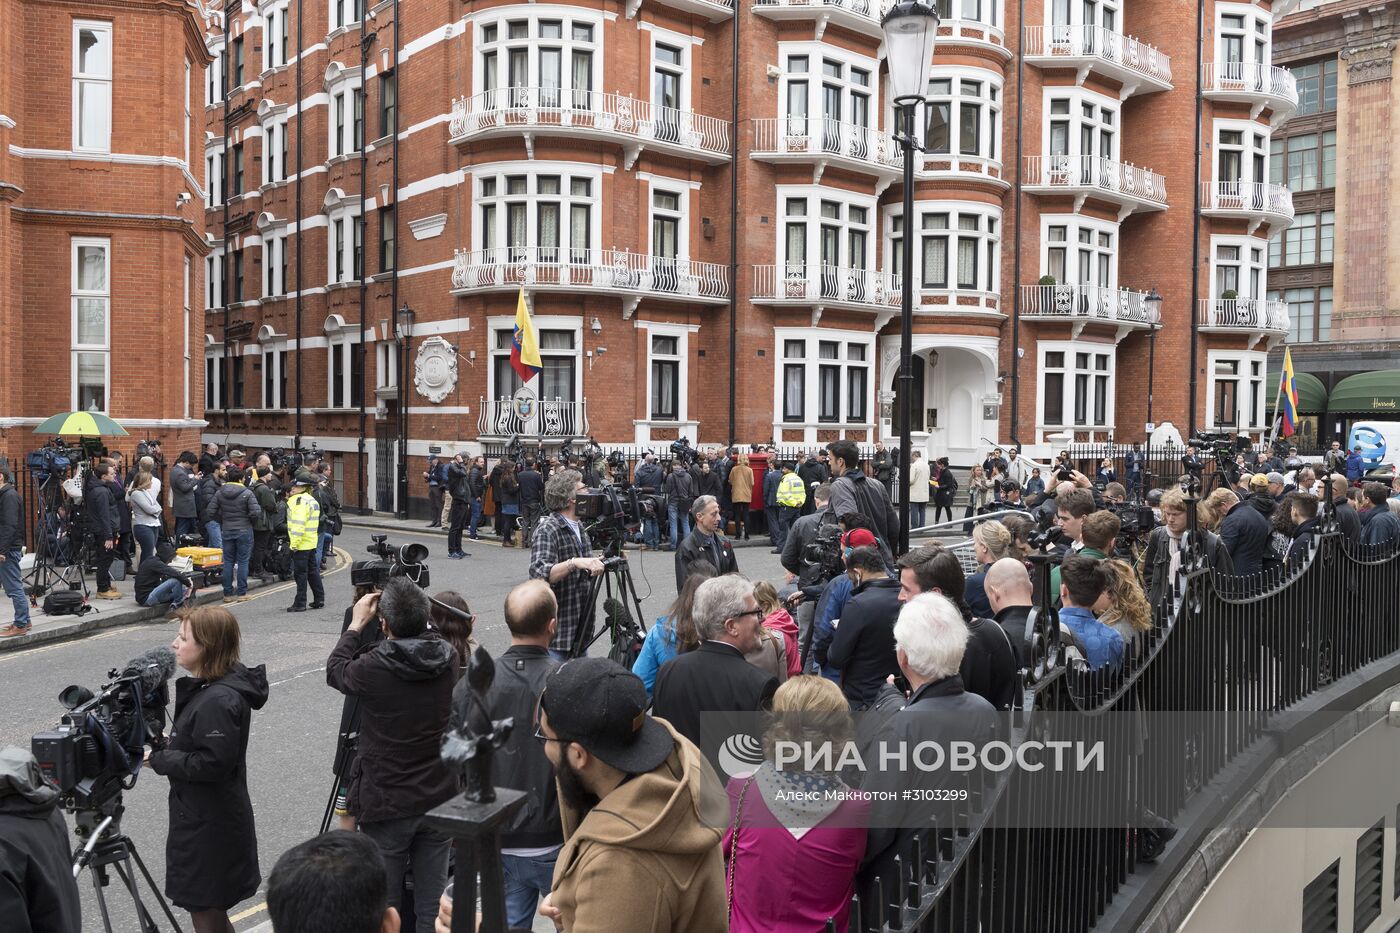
[(812, 473), (531, 488), (1245, 534), (521, 763), (695, 550), (11, 519), (863, 646), (1302, 541), (802, 533), (1347, 520), (151, 574), (406, 690), (680, 489), (856, 492), (476, 483), (183, 485), (457, 485), (1157, 559), (235, 507), (1013, 621), (649, 477), (37, 891), (100, 512), (211, 852), (710, 484), (1263, 503), (989, 663), (1379, 527), (713, 678), (204, 496)]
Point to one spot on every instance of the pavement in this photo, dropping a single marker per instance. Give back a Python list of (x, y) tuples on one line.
[(293, 738)]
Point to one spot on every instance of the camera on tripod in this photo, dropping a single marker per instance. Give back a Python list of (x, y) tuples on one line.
[(824, 551), (1045, 539), (682, 451), (403, 561)]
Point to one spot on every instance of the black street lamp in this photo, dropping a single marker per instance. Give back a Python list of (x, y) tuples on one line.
[(1153, 301), (910, 30), (403, 334)]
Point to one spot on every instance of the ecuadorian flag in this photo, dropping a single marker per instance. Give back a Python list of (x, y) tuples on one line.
[(524, 345), (1290, 396)]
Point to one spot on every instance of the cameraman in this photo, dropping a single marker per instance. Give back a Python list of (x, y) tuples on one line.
[(184, 478), (561, 556), (648, 479), (38, 892), (405, 688)]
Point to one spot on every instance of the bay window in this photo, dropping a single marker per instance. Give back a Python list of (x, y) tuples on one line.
[(1083, 128), (830, 366), (1239, 268), (346, 122), (538, 215), (344, 239), (963, 114), (1235, 394), (958, 245), (1079, 250), (559, 357), (539, 60), (92, 86), (1076, 385), (828, 96)]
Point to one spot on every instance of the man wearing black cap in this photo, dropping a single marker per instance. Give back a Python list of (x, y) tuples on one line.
[(642, 811)]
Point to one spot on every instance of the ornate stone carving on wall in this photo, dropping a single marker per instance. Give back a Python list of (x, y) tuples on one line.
[(435, 369), (1370, 62)]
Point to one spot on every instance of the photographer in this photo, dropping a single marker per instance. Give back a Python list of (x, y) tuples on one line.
[(184, 478), (648, 479), (706, 544), (211, 852), (38, 893), (561, 556), (459, 487), (1191, 463), (405, 688), (853, 491), (102, 521)]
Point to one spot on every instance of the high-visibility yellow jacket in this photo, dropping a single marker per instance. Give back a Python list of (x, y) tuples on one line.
[(303, 521), (791, 491)]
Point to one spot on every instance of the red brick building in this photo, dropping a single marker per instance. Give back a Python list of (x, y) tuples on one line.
[(101, 216), (661, 201)]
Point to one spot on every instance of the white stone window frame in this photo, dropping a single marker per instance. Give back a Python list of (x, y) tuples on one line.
[(1078, 97), (92, 80), (187, 127), (1070, 370), (273, 234), (276, 26), (681, 189), (344, 14), (214, 77), (814, 195), (991, 104), (1249, 268), (213, 374), (272, 348), (188, 320), (502, 45), (814, 78), (215, 168), (386, 366), (77, 294), (812, 337), (542, 323), (681, 333), (1073, 224), (532, 171), (1244, 379), (1251, 132), (989, 262), (214, 278), (344, 94), (1258, 22), (341, 338), (273, 120), (684, 43), (1075, 11), (344, 224)]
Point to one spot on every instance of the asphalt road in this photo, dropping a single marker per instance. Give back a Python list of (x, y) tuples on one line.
[(293, 737)]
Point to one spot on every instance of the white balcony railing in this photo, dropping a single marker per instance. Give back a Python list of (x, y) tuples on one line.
[(589, 269), (817, 138), (502, 417), (1251, 79), (1113, 179), (1246, 197), (586, 112), (1094, 43), (814, 283), (1088, 302), (1248, 314), (869, 10)]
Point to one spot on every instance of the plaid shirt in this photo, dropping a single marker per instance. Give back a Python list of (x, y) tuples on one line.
[(553, 543)]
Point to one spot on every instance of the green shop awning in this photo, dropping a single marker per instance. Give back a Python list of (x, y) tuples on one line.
[(1367, 392), (1312, 397)]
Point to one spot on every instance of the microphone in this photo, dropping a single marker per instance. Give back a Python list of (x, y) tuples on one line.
[(154, 667)]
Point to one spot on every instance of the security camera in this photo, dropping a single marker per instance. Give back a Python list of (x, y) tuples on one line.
[(182, 199)]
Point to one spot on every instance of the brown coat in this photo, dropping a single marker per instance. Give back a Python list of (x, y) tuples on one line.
[(647, 857), (741, 483)]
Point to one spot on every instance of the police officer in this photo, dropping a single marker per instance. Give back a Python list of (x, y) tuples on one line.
[(303, 533), (792, 493)]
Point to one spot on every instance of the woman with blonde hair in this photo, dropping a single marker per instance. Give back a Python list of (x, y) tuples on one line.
[(1212, 511), (143, 498), (779, 621), (791, 854), (991, 541), (1124, 608), (211, 852)]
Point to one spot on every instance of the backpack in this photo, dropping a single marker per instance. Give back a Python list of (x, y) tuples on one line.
[(65, 603)]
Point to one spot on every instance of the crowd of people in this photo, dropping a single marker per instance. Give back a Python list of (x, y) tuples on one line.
[(631, 821)]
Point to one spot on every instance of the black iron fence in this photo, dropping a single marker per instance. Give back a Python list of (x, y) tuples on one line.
[(1234, 655)]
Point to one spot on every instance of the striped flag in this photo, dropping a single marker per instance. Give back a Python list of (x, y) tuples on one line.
[(1290, 396), (524, 345)]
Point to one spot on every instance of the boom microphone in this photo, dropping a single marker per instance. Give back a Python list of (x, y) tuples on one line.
[(154, 667)]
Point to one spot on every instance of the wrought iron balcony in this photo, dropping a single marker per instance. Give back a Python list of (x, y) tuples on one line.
[(861, 16), (1253, 83), (1255, 201), (636, 124), (821, 285), (1138, 67), (543, 418), (822, 142), (1089, 304), (618, 272), (713, 10), (1128, 186), (1259, 316)]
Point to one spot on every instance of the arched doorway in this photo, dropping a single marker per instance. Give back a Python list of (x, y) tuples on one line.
[(954, 379)]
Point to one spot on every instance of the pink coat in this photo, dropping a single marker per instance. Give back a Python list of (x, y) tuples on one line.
[(781, 622), (787, 885)]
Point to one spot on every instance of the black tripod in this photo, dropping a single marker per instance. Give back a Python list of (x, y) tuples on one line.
[(615, 583), (46, 573), (107, 846)]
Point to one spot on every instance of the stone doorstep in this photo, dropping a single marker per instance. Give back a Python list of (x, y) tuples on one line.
[(45, 631)]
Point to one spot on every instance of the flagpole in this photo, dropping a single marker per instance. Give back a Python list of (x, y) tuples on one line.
[(1275, 422)]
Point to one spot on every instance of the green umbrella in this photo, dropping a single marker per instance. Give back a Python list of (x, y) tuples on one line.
[(85, 423)]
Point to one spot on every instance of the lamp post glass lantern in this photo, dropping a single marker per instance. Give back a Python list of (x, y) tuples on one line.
[(910, 29), (403, 333), (1153, 301)]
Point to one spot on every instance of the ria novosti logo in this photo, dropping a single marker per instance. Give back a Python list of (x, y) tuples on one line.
[(741, 753)]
